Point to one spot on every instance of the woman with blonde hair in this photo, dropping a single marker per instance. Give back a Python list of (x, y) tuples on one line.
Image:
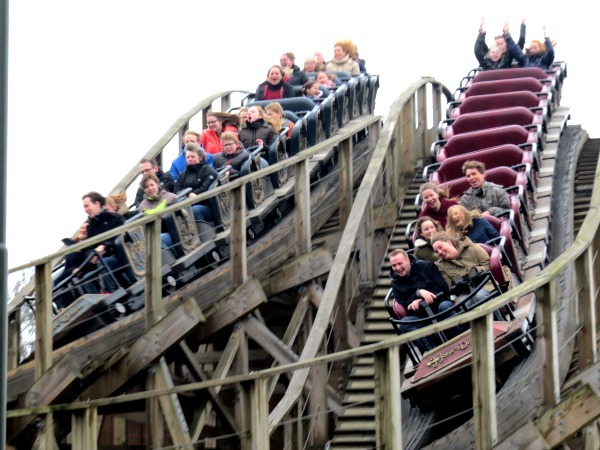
[(258, 130), (463, 222), (277, 118), (342, 60), (117, 203)]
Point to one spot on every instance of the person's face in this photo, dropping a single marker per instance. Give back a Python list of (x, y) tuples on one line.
[(244, 115), (274, 75), (214, 124), (338, 52), (151, 187), (427, 229), (229, 147), (495, 54), (191, 138), (273, 114), (445, 249), (319, 57), (309, 65), (285, 61), (475, 178), (501, 44), (322, 79), (253, 114), (457, 219), (192, 158), (147, 168), (91, 208), (400, 265), (431, 199), (534, 48), (314, 90)]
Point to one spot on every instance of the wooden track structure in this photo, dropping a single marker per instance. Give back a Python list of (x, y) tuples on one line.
[(262, 346)]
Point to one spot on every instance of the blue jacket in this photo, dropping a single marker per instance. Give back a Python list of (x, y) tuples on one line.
[(543, 61), (482, 231)]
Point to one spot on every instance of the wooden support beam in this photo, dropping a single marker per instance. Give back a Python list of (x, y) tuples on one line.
[(205, 406), (171, 409), (257, 437), (239, 257), (484, 385), (300, 270), (367, 263), (346, 183), (43, 319), (548, 341), (148, 349), (591, 437), (155, 431), (241, 302), (84, 431), (388, 420), (14, 340), (302, 209), (587, 336), (569, 416), (317, 403), (45, 439), (242, 365)]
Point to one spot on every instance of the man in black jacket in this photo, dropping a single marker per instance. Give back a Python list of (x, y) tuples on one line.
[(412, 282)]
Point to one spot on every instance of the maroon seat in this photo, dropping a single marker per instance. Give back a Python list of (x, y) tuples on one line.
[(495, 254), (507, 246), (515, 115), (491, 137), (477, 103), (510, 85)]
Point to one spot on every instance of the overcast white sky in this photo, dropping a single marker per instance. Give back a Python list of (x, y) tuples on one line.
[(92, 85)]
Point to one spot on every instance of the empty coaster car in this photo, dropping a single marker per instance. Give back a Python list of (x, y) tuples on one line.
[(490, 137), (510, 85), (493, 118), (477, 103), (507, 74)]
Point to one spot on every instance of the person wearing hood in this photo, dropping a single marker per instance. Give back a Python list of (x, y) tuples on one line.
[(342, 61), (257, 130), (198, 176), (293, 75), (424, 229), (489, 198), (234, 154), (274, 87), (412, 282)]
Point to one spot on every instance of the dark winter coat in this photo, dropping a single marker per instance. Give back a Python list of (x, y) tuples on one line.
[(235, 160), (199, 177), (285, 90), (543, 61), (259, 129)]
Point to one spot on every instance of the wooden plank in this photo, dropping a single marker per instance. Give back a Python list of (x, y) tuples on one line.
[(258, 412), (43, 319), (84, 430), (586, 337), (527, 437), (242, 301), (302, 219), (148, 349), (484, 386), (548, 341), (239, 257), (569, 416), (345, 184), (153, 293), (171, 409), (388, 420), (300, 270)]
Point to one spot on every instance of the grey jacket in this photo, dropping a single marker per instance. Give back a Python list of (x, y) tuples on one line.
[(489, 197)]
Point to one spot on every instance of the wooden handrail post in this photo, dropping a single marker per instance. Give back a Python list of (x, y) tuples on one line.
[(302, 220), (346, 181), (388, 419), (239, 259), (84, 429), (484, 386), (586, 338), (548, 341), (153, 291), (14, 340), (257, 403), (367, 263), (43, 319)]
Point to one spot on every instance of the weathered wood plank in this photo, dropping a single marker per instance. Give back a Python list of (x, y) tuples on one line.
[(300, 270)]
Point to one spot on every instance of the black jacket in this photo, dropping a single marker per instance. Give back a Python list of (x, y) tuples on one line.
[(423, 275), (100, 223), (166, 181), (259, 129), (199, 177), (298, 77), (235, 161)]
